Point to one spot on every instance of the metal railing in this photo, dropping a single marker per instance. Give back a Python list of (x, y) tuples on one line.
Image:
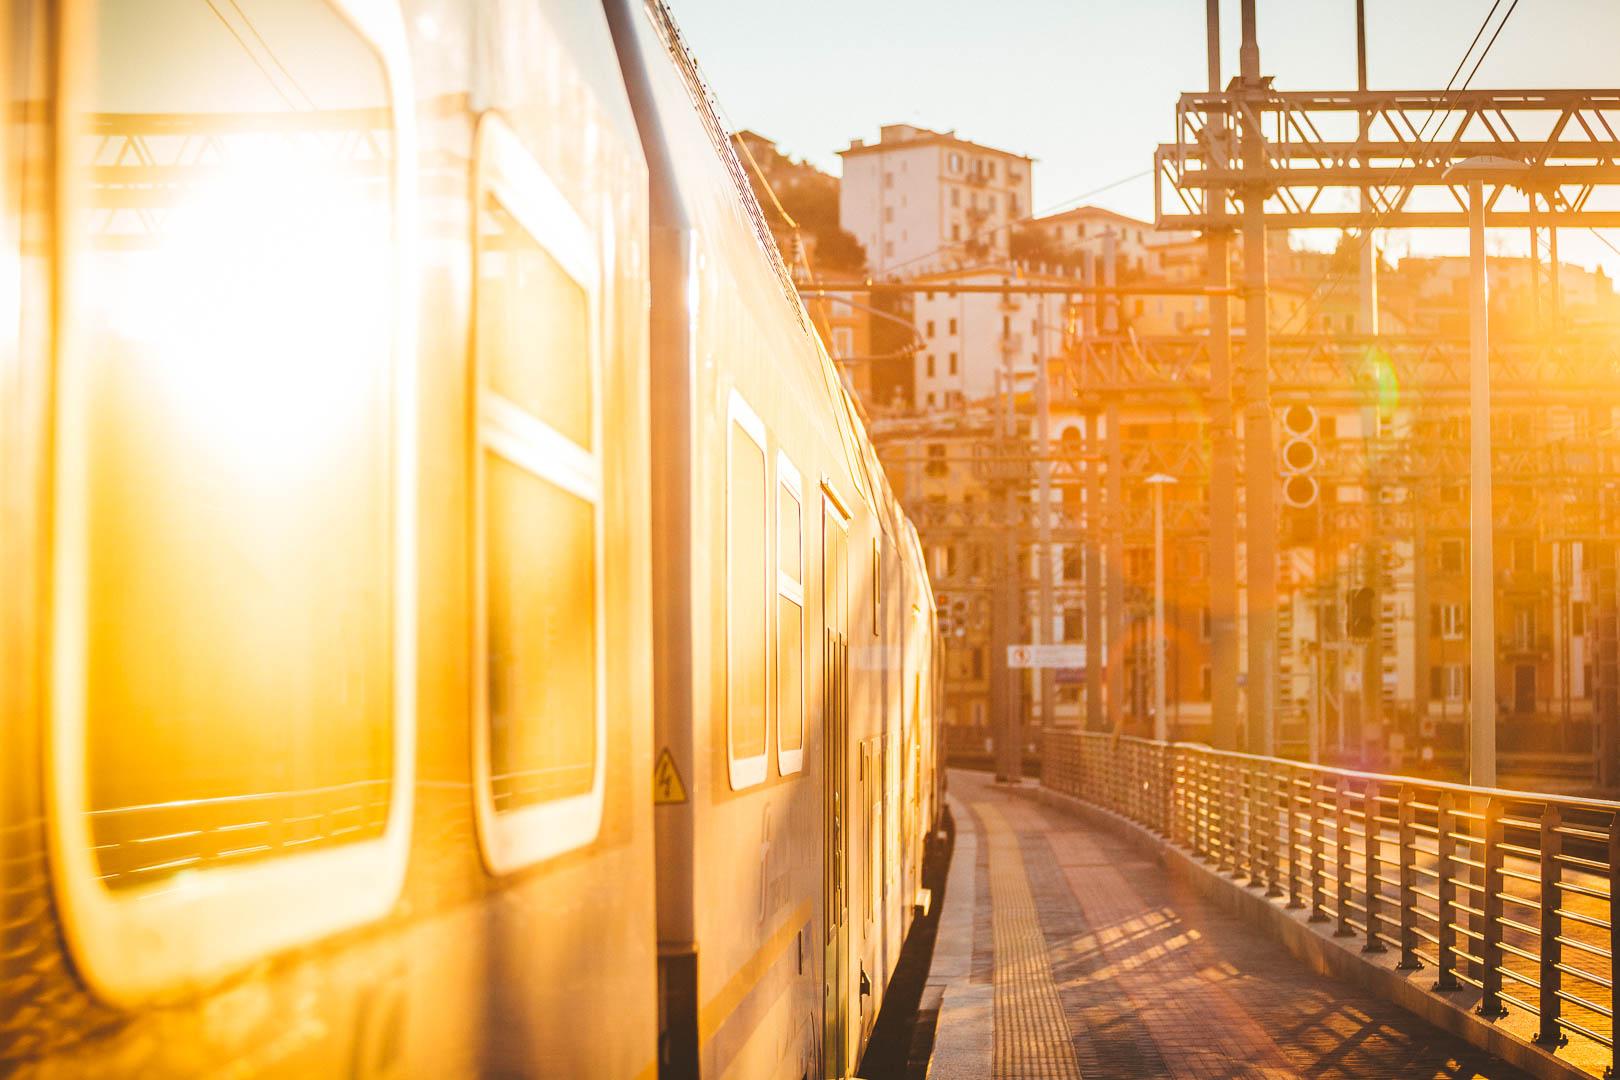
[(1506, 891)]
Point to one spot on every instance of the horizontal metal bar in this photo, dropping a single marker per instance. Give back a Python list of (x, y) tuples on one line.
[(1601, 1010), (1570, 1025), (1581, 973)]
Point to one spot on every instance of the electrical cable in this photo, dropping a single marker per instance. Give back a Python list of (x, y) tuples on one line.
[(1053, 209), (1334, 279)]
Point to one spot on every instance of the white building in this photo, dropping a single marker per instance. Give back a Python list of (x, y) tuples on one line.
[(968, 337), (921, 200), (1084, 228)]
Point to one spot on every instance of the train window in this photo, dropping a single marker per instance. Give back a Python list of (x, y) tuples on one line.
[(232, 717), (539, 703), (789, 617), (747, 586)]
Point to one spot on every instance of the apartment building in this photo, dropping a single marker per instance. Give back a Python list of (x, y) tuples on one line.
[(921, 200), (968, 341)]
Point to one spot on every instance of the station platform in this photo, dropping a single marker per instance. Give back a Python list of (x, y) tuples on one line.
[(1065, 952)]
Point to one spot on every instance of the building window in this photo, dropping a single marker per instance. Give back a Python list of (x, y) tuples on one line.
[(888, 215), (747, 586), (956, 197), (1524, 628), (936, 455), (978, 661), (1451, 621), (956, 231), (1204, 623), (1451, 556), (1206, 683), (928, 365), (888, 247), (888, 180), (1524, 555), (1577, 618), (951, 361), (930, 399), (789, 617), (928, 330), (231, 714), (1448, 682), (1074, 625), (951, 326)]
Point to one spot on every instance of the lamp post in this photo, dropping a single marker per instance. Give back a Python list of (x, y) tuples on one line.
[(1476, 172), (1161, 720)]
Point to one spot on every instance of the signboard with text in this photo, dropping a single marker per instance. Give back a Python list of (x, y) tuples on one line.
[(1046, 656)]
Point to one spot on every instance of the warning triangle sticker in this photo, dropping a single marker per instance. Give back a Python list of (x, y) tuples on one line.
[(667, 786)]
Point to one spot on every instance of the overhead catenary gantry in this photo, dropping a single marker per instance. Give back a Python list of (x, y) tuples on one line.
[(1324, 148)]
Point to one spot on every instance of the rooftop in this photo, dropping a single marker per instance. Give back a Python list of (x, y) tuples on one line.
[(891, 136)]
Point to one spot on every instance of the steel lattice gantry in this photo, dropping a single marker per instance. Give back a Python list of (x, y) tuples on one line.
[(1322, 148)]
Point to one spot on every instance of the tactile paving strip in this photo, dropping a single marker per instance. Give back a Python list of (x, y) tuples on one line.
[(1032, 1039)]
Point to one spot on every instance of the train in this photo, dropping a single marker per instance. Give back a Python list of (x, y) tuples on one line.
[(453, 622)]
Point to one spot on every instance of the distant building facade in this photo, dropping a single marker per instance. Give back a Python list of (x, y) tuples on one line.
[(921, 200)]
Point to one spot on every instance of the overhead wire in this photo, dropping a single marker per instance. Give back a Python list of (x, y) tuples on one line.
[(1037, 215), (271, 53), (1335, 278), (251, 55)]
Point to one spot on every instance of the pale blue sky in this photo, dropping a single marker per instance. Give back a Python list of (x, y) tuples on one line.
[(1088, 87)]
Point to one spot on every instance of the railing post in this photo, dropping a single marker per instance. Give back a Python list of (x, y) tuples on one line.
[(1552, 925), (1201, 805), (1269, 808), (1407, 838), (1614, 924), (1286, 800), (1167, 788), (1341, 844), (1445, 828), (1229, 819), (1257, 837), (1318, 853), (1372, 849), (1490, 952)]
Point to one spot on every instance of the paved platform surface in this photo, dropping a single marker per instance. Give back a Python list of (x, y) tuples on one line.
[(1064, 952)]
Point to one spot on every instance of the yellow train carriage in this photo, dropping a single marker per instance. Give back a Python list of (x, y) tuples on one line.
[(327, 717), (415, 466), (793, 632)]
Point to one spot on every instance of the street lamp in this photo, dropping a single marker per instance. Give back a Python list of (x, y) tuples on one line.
[(1476, 172), (1161, 720)]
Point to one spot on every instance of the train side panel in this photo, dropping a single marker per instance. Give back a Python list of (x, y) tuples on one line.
[(529, 963)]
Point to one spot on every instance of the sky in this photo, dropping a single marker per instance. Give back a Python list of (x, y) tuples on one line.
[(1088, 87)]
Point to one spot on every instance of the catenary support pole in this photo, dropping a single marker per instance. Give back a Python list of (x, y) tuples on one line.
[(1094, 575), (1260, 464), (1043, 439), (1223, 501), (1114, 515), (1481, 547)]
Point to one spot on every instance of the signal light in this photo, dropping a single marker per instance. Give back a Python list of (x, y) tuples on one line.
[(1300, 491), (1299, 456)]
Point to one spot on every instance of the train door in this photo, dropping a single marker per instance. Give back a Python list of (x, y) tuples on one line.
[(835, 777)]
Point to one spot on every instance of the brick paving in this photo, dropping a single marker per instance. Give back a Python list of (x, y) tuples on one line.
[(1152, 980)]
